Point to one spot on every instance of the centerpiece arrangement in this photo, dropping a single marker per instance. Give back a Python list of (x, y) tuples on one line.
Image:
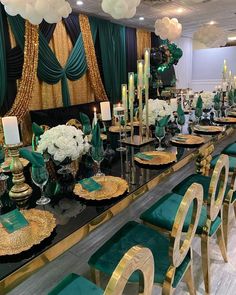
[(63, 144)]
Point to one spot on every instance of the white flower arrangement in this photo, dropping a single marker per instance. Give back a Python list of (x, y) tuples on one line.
[(63, 142), (207, 99), (157, 108)]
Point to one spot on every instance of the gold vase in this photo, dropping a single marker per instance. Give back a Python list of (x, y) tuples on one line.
[(21, 191)]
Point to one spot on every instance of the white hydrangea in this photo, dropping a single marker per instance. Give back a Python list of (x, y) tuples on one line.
[(207, 99), (63, 142), (157, 108)]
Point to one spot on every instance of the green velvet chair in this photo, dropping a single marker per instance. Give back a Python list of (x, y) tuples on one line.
[(230, 197), (160, 215), (230, 150), (137, 258), (172, 257)]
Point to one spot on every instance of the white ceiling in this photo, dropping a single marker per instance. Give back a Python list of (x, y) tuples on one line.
[(195, 14)]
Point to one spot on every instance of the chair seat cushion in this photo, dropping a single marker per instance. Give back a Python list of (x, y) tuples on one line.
[(163, 212), (205, 181), (230, 150), (131, 234), (74, 284), (232, 162), (183, 186)]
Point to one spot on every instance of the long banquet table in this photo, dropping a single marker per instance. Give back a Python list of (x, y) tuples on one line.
[(76, 218)]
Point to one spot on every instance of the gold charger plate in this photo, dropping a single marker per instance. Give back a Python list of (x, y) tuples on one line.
[(232, 114), (225, 120), (190, 140), (41, 225), (208, 129), (112, 187), (159, 158), (7, 163), (116, 129)]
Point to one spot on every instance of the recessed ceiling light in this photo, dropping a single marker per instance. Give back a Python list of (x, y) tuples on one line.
[(233, 38), (180, 10), (212, 23), (141, 18), (79, 2)]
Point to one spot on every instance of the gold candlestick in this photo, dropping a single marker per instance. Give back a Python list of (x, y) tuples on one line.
[(21, 191)]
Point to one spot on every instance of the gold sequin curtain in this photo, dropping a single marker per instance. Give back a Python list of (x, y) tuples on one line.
[(93, 69), (143, 41)]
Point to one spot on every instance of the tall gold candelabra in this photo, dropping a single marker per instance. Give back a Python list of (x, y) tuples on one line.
[(21, 191)]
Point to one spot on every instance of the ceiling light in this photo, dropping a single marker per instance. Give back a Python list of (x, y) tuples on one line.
[(79, 2), (141, 18), (180, 10), (233, 38), (212, 23)]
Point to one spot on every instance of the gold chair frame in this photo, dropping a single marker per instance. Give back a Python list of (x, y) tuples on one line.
[(214, 208), (227, 204), (76, 123), (178, 248), (137, 258)]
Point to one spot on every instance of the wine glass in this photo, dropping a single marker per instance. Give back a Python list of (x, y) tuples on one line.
[(159, 134), (97, 154), (40, 177)]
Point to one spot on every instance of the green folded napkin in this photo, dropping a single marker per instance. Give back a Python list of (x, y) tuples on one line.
[(143, 156), (198, 111), (177, 138), (2, 155), (85, 121), (160, 131), (90, 185), (13, 221), (231, 97), (36, 159), (235, 95), (181, 116), (217, 102), (37, 130), (163, 121)]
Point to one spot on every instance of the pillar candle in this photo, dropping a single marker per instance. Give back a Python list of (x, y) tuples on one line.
[(124, 100), (11, 130), (105, 110), (140, 67), (131, 101), (95, 119), (147, 62)]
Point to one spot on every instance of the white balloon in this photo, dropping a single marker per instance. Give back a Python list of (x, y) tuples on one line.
[(131, 13), (121, 8), (41, 7), (174, 20), (107, 5), (10, 10)]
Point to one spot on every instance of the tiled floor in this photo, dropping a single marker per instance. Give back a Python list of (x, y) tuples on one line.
[(75, 260)]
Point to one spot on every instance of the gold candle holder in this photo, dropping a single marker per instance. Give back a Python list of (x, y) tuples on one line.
[(21, 191)]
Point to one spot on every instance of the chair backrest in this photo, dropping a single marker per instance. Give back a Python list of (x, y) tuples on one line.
[(217, 187), (180, 248), (74, 122), (137, 258)]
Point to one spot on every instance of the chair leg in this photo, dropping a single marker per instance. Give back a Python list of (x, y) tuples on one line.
[(221, 242), (205, 239), (226, 223), (189, 280), (96, 276)]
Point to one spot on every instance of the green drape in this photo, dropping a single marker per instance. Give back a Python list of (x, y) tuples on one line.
[(3, 63), (113, 54), (49, 68)]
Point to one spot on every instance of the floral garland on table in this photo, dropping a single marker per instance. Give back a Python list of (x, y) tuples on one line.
[(207, 99), (63, 142), (157, 108)]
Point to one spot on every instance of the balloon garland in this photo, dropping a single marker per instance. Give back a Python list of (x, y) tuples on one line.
[(165, 56)]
